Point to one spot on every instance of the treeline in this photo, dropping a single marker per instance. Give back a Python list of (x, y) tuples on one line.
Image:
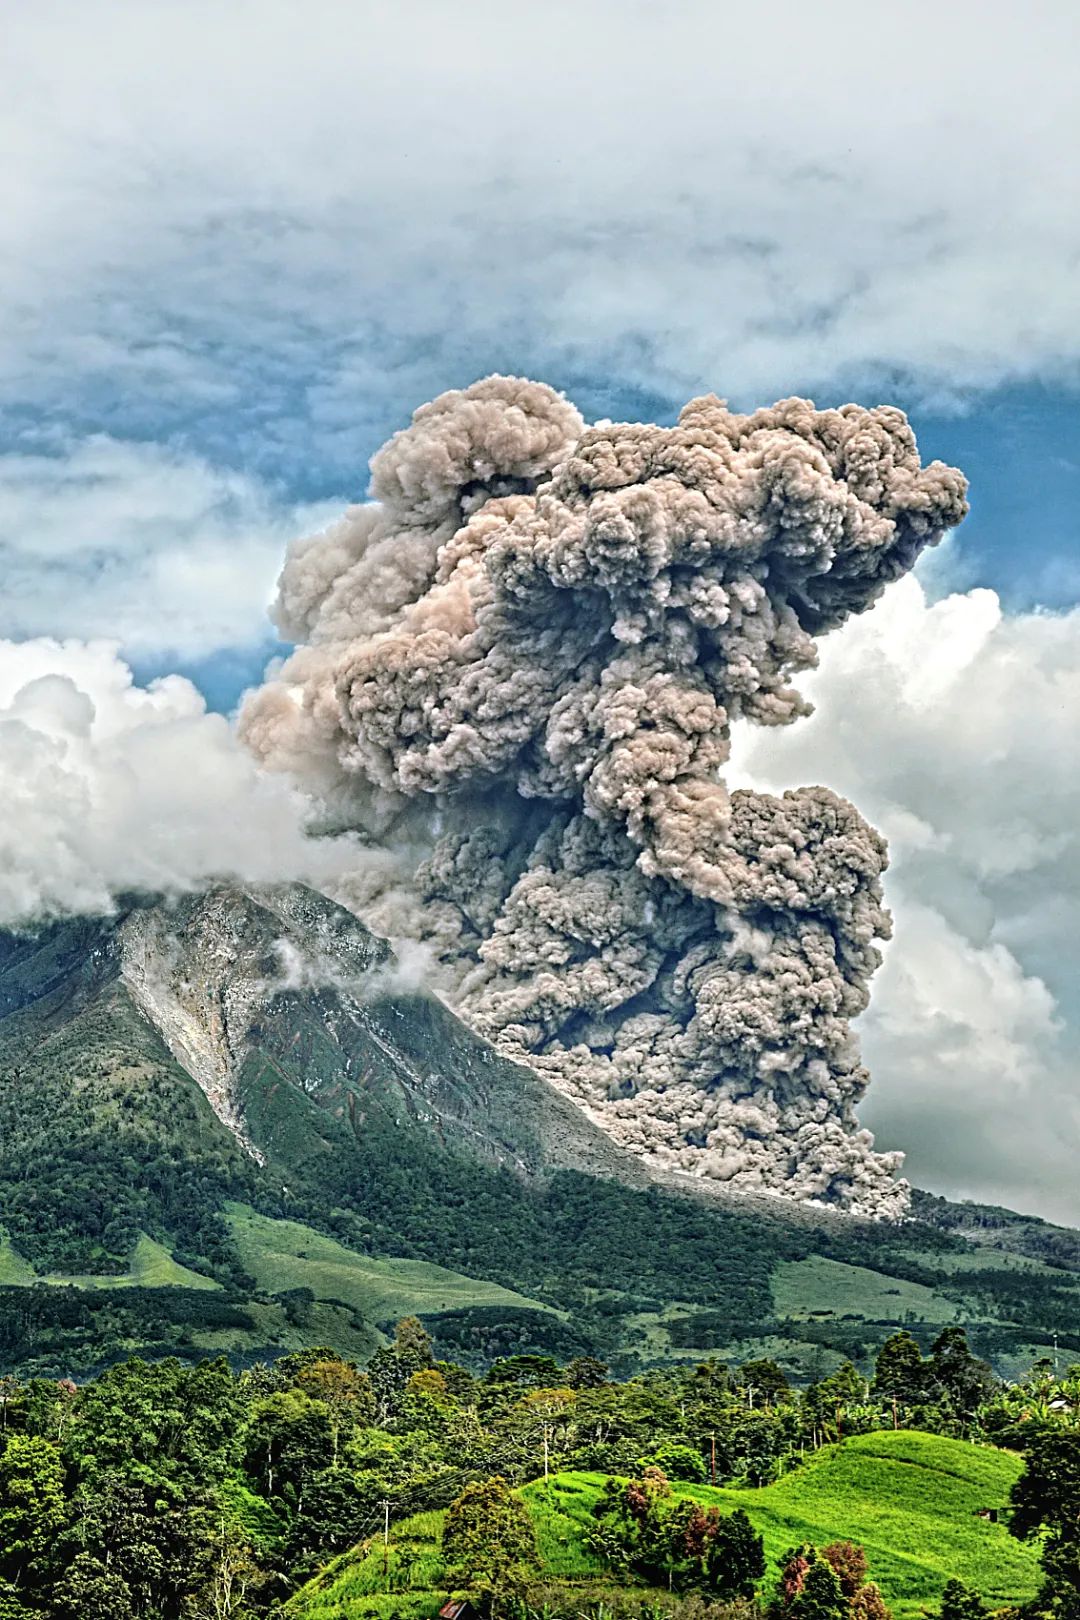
[(155, 1491), (67, 1326)]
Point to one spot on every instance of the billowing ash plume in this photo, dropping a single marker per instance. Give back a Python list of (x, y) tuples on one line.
[(517, 673)]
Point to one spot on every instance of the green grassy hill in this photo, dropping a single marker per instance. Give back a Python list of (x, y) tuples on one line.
[(821, 1287), (150, 1266), (283, 1255), (911, 1499)]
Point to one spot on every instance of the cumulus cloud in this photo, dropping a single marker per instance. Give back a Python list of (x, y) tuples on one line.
[(524, 660), (142, 544), (109, 786), (957, 729)]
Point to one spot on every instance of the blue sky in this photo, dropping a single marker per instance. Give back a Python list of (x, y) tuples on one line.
[(242, 245)]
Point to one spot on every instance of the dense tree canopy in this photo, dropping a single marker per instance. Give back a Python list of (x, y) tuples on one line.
[(160, 1491)]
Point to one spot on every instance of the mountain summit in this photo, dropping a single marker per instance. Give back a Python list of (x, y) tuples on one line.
[(233, 1121)]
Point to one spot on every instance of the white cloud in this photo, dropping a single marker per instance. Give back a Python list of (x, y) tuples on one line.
[(957, 731), (680, 195), (269, 230), (109, 786), (144, 545)]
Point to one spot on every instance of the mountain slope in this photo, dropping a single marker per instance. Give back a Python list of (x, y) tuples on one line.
[(260, 1048), (270, 1003)]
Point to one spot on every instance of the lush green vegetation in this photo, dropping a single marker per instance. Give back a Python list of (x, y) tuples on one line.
[(137, 1184), (150, 1266), (312, 1489), (122, 1144), (819, 1287), (911, 1500), (288, 1255)]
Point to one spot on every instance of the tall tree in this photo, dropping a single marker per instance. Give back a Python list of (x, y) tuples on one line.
[(764, 1381), (173, 1428), (734, 1559), (33, 1510), (90, 1589), (848, 1563), (822, 1596), (900, 1374), (488, 1543), (965, 1380), (1046, 1497)]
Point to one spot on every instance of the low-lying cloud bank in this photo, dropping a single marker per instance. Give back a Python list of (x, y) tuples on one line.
[(109, 786)]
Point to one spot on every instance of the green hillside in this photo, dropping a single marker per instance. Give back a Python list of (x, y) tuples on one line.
[(15, 1272), (822, 1287), (283, 1255), (911, 1499), (308, 1289), (150, 1266), (367, 1128)]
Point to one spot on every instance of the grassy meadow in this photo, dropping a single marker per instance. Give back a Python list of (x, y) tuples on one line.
[(286, 1254), (911, 1499)]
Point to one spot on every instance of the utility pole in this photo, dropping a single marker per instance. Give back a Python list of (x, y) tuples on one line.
[(712, 1457), (545, 1431), (386, 1545)]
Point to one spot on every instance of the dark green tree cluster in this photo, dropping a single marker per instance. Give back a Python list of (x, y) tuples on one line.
[(643, 1529), (1046, 1503), (827, 1583), (943, 1391)]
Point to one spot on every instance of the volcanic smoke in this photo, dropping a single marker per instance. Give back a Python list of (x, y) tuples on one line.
[(516, 673)]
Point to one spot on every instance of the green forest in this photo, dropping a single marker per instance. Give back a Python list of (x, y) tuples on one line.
[(316, 1488)]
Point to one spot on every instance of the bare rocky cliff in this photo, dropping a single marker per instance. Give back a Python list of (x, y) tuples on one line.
[(256, 990)]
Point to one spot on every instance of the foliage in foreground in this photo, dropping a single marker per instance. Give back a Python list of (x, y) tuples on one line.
[(167, 1492)]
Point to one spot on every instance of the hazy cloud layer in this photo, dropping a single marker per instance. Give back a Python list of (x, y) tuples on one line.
[(957, 729), (109, 786), (673, 196), (375, 202), (147, 546)]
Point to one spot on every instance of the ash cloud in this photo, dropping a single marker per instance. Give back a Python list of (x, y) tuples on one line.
[(518, 670)]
